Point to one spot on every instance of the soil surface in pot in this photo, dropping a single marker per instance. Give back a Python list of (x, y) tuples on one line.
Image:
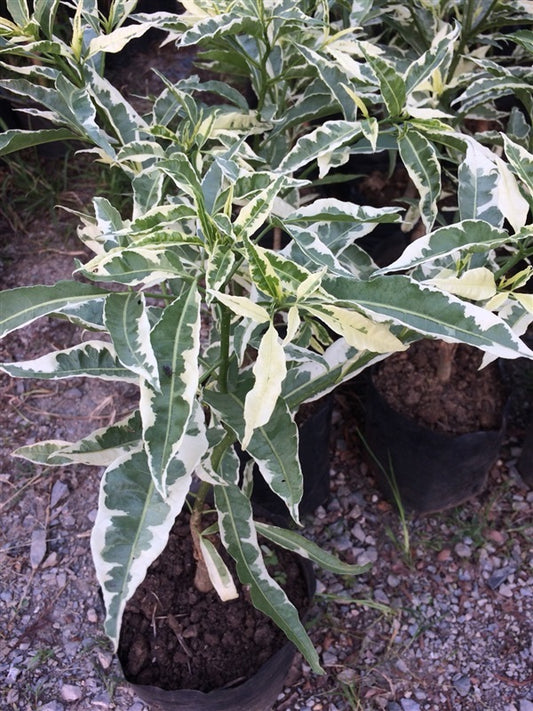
[(471, 400), (175, 637)]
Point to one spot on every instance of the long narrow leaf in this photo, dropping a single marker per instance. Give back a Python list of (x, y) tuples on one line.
[(101, 448), (294, 541), (92, 359), (240, 539), (421, 162), (21, 306), (127, 321), (165, 413), (133, 521), (274, 446), (429, 312)]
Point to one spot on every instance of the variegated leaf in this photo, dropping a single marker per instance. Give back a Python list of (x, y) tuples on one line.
[(325, 138), (358, 330), (450, 241), (211, 27), (165, 413), (101, 448), (475, 284), (521, 161), (219, 266), (437, 57), (147, 266), (133, 521), (274, 446), (269, 370), (92, 359), (116, 40), (240, 539), (422, 164), (293, 541), (218, 571), (127, 321), (480, 91), (17, 139), (428, 311), (334, 77), (125, 120), (487, 188), (263, 273), (392, 85), (256, 211), (243, 306)]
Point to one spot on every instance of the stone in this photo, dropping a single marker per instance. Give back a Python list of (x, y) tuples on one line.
[(463, 550), (70, 693), (462, 685), (409, 705)]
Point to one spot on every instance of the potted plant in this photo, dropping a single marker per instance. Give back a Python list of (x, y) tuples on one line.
[(225, 338)]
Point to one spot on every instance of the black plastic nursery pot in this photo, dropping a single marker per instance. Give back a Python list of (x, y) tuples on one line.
[(427, 470), (258, 693), (164, 635)]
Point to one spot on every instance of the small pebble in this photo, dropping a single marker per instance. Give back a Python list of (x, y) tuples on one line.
[(409, 705), (462, 550), (462, 685), (70, 693)]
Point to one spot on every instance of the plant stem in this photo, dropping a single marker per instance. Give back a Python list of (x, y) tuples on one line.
[(202, 581), (225, 321), (445, 365)]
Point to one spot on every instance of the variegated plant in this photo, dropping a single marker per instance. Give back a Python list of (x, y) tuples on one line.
[(225, 337)]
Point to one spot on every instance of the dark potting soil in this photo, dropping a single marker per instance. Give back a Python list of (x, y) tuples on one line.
[(175, 637), (471, 400)]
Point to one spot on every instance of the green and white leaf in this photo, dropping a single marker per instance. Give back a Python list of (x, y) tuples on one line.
[(269, 370), (165, 412), (116, 40), (101, 448), (358, 330), (521, 161), (92, 359), (17, 139), (25, 304), (127, 321), (488, 190), (429, 312), (147, 266), (392, 84), (273, 446), (293, 541), (322, 140), (450, 241), (218, 571), (475, 284), (244, 307), (436, 58), (240, 540), (422, 164), (133, 520)]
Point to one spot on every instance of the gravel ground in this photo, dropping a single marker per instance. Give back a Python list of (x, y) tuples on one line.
[(442, 622)]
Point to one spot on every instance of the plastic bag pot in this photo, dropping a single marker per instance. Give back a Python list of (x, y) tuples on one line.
[(257, 692), (429, 471)]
